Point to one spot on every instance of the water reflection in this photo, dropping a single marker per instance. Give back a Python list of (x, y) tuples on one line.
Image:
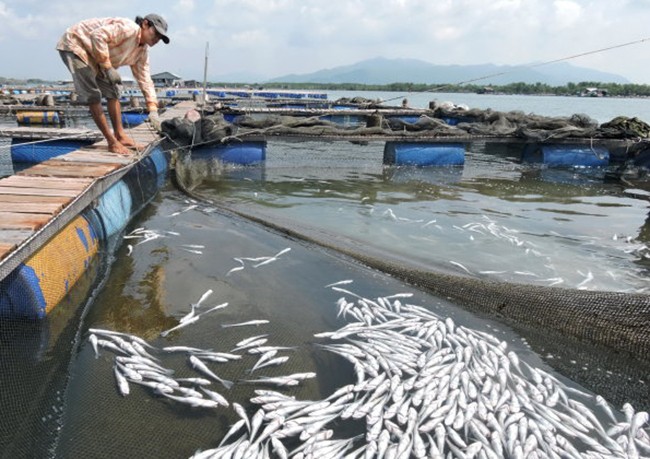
[(491, 217)]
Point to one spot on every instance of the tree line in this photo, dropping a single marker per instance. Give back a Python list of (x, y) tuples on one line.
[(570, 89)]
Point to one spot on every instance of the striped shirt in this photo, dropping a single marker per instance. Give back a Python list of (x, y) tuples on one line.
[(103, 43)]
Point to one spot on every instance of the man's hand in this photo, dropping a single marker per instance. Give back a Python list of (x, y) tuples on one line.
[(113, 76), (154, 120)]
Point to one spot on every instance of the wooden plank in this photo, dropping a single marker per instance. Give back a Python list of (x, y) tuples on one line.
[(8, 190), (19, 198), (14, 236), (12, 220), (78, 184), (5, 249), (48, 208), (49, 133), (95, 157), (70, 169)]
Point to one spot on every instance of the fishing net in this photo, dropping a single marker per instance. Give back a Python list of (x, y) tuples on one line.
[(364, 368), (439, 122)]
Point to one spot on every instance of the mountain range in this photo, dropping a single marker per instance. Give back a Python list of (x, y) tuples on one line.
[(381, 70)]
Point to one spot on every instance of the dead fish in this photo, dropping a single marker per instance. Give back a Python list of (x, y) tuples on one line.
[(217, 397), (122, 383), (202, 367), (194, 401), (214, 308), (265, 349), (93, 340), (179, 326), (184, 349), (257, 342), (280, 381), (243, 324), (343, 282), (263, 358), (275, 361), (197, 381), (246, 341)]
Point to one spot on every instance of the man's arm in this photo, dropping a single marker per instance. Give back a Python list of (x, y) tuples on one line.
[(142, 75)]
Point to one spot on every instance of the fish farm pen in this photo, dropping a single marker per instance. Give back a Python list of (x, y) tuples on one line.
[(280, 277)]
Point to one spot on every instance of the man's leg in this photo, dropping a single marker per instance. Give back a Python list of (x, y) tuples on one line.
[(115, 112), (114, 145), (87, 88)]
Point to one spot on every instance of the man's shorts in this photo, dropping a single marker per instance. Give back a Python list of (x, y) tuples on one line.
[(90, 86)]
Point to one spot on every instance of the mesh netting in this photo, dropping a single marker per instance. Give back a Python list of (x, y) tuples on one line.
[(258, 361), (439, 122)]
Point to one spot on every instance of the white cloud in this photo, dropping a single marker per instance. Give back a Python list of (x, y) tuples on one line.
[(276, 37), (567, 13)]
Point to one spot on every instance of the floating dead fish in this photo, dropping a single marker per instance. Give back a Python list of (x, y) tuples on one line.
[(244, 324), (179, 326), (203, 368), (427, 387)]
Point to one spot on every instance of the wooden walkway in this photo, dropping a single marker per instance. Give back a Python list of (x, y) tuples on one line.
[(46, 133), (37, 202)]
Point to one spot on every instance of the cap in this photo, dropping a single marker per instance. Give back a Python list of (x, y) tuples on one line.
[(160, 25)]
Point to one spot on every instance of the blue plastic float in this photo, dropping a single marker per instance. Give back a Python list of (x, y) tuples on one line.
[(567, 155), (27, 151), (424, 153), (236, 153)]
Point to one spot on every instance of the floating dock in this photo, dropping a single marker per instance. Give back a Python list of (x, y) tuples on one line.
[(54, 214), (48, 133)]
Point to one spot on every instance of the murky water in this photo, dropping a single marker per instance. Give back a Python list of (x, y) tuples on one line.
[(340, 190), (493, 218)]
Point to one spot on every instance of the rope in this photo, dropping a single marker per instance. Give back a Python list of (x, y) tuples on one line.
[(516, 69), (71, 136)]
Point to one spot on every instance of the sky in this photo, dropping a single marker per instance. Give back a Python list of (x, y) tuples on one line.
[(269, 38)]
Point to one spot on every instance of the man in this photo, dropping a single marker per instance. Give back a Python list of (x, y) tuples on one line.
[(93, 49)]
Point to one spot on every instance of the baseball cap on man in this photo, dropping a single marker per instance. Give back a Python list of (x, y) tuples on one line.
[(159, 24)]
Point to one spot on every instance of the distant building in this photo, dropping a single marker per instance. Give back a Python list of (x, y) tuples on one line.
[(166, 79), (593, 92)]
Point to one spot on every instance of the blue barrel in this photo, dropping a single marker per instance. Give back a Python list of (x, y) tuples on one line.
[(424, 153), (237, 153), (407, 119), (25, 151), (161, 164), (142, 181), (159, 159), (114, 208), (566, 155), (132, 119), (39, 283)]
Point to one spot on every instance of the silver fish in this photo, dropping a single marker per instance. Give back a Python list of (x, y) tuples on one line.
[(275, 361), (194, 401), (179, 326), (243, 324), (202, 367), (122, 383), (217, 397), (247, 341)]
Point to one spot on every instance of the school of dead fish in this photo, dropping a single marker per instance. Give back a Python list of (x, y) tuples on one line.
[(422, 387)]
